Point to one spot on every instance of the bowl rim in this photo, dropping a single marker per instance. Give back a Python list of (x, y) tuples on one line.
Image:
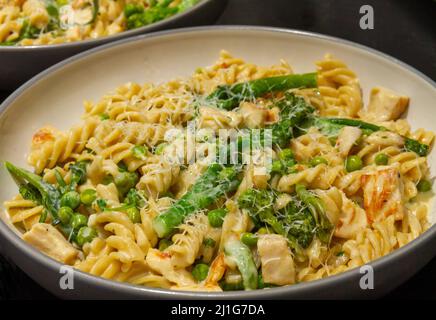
[(101, 40), (147, 292)]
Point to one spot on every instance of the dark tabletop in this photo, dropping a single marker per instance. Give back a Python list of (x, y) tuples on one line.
[(405, 29)]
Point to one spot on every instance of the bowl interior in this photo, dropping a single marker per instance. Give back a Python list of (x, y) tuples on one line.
[(56, 97)]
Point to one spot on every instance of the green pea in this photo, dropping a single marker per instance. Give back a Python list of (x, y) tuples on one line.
[(262, 230), (317, 160), (79, 220), (381, 159), (160, 148), (70, 199), (107, 180), (104, 116), (65, 214), (277, 166), (353, 163), (125, 181), (200, 271), (216, 217), (209, 242), (85, 234), (139, 152), (249, 239), (88, 196), (424, 185), (286, 154), (134, 215), (164, 243)]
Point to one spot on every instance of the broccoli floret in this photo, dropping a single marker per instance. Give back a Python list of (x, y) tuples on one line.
[(292, 222)]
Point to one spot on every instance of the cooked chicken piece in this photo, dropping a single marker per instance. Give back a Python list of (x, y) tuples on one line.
[(216, 119), (347, 138), (347, 217), (160, 262), (49, 240), (254, 116), (382, 191), (277, 262), (385, 104)]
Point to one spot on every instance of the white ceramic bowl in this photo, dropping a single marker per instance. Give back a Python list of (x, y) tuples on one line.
[(56, 95)]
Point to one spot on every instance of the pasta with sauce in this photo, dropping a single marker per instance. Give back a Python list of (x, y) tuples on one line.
[(43, 22), (238, 177)]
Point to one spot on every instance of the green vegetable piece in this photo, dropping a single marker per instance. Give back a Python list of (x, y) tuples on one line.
[(331, 127), (125, 181), (29, 192), (277, 166), (43, 216), (186, 4), (78, 173), (243, 258), (424, 185), (262, 285), (316, 207), (61, 3), (131, 9), (101, 203), (297, 225), (209, 242), (211, 186), (85, 234), (216, 217), (88, 196), (229, 96), (286, 155), (200, 271), (139, 152), (353, 163), (52, 10), (164, 243), (135, 198), (70, 199), (231, 286), (104, 116), (293, 113), (33, 186), (262, 230), (381, 159), (317, 160), (65, 215), (415, 146), (160, 148), (134, 215), (79, 220), (249, 239)]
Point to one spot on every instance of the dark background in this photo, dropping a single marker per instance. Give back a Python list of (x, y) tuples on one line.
[(405, 29)]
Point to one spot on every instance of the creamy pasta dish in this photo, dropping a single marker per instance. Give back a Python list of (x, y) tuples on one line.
[(238, 177), (39, 22)]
